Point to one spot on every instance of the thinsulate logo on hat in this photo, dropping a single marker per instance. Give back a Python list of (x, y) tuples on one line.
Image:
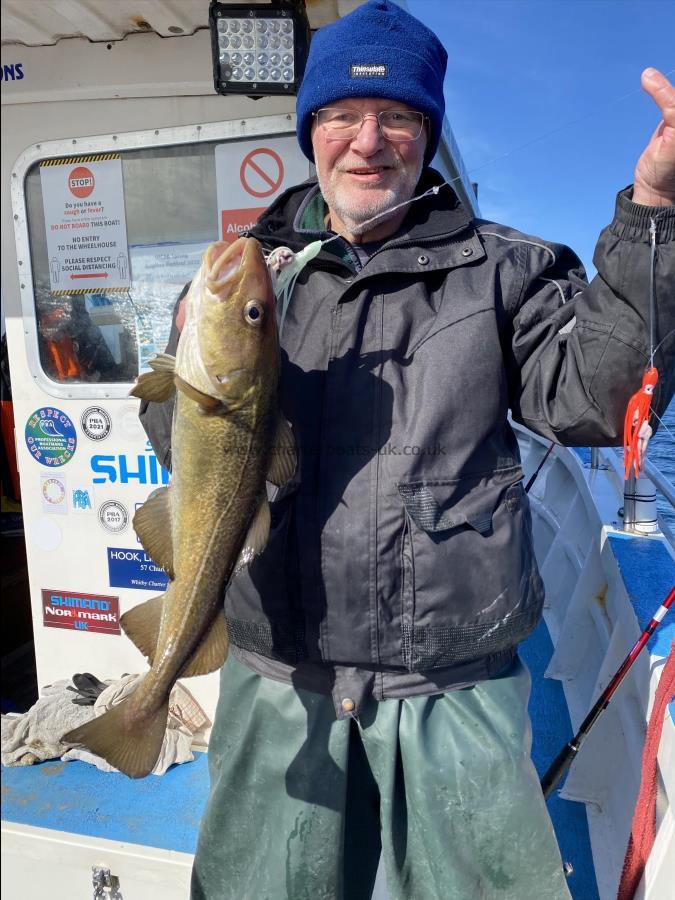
[(368, 71)]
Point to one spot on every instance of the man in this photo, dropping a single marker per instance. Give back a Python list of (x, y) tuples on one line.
[(374, 698)]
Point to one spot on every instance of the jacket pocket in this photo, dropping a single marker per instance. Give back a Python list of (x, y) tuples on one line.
[(469, 582), (259, 603)]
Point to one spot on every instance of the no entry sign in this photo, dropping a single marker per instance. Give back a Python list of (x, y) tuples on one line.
[(261, 172), (250, 175)]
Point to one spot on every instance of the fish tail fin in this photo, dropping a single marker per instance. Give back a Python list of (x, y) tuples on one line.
[(128, 739)]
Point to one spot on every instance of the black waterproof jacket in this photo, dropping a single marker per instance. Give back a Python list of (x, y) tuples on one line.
[(400, 559)]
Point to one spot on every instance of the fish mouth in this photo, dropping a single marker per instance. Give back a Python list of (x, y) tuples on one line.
[(222, 266)]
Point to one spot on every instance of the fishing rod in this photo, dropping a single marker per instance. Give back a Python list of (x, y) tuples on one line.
[(533, 478), (564, 759)]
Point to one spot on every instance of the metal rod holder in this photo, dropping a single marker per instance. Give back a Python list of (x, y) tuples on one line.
[(629, 503)]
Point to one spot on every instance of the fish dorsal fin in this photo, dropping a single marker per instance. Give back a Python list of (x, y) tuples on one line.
[(141, 625), (152, 524), (206, 401), (284, 458), (157, 385), (211, 652), (256, 539)]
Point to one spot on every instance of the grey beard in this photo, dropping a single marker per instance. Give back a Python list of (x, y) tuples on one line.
[(357, 228), (369, 217)]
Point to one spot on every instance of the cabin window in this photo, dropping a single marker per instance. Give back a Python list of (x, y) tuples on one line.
[(93, 334)]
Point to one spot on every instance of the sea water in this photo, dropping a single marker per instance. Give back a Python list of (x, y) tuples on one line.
[(662, 454)]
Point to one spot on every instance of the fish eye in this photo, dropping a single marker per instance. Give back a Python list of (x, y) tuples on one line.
[(253, 312)]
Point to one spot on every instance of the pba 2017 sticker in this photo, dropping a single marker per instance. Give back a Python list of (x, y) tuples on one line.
[(53, 491), (96, 423), (113, 516), (50, 437)]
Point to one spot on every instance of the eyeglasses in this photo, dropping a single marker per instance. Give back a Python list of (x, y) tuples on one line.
[(394, 124)]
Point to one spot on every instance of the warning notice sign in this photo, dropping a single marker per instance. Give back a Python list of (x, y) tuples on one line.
[(81, 612), (250, 175), (86, 226)]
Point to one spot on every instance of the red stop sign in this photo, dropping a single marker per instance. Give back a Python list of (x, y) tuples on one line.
[(81, 181)]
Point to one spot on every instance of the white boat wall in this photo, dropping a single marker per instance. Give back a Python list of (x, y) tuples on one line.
[(128, 93), (603, 585)]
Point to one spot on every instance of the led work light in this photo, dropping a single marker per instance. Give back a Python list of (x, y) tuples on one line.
[(259, 49)]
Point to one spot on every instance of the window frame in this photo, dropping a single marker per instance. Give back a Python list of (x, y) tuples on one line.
[(275, 126)]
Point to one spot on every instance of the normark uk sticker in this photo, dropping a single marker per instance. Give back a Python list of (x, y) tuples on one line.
[(50, 437), (82, 612)]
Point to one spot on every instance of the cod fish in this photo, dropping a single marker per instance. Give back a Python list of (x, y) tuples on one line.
[(227, 438)]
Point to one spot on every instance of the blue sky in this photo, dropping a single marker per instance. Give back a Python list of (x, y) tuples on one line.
[(519, 69)]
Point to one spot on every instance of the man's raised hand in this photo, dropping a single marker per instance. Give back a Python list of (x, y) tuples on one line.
[(655, 171)]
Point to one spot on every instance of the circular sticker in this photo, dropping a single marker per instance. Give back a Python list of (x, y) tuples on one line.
[(45, 534), (129, 424), (96, 423), (50, 437), (113, 516), (53, 491)]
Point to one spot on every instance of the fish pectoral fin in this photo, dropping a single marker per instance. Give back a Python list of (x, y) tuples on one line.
[(256, 539), (152, 524), (130, 742), (141, 625), (284, 458), (206, 401), (212, 651), (158, 385)]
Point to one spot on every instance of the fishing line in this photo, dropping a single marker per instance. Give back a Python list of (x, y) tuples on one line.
[(495, 159), (652, 289), (652, 312), (663, 424)]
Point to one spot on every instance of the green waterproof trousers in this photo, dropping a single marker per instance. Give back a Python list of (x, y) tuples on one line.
[(301, 805)]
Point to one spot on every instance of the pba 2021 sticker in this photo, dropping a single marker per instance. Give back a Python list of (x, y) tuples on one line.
[(96, 423), (50, 437), (113, 516)]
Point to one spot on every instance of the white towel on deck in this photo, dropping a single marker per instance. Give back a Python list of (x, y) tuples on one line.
[(36, 735)]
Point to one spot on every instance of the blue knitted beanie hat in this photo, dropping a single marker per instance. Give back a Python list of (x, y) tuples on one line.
[(379, 50)]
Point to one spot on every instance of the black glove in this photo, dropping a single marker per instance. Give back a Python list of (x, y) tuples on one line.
[(87, 687)]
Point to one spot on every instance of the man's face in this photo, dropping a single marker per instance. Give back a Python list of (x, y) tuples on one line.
[(367, 175)]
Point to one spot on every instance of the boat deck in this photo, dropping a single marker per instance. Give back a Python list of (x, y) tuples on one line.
[(75, 797)]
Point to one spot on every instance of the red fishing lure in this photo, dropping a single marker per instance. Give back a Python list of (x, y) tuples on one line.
[(637, 414)]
